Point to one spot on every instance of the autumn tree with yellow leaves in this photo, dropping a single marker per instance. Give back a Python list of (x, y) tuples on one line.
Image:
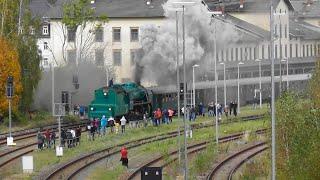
[(9, 66)]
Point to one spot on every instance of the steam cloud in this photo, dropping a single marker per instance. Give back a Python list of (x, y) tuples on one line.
[(90, 78), (157, 62)]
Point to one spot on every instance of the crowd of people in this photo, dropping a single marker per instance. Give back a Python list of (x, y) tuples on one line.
[(69, 138), (100, 127), (162, 116)]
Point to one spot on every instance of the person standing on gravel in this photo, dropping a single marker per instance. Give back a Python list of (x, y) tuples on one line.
[(40, 140), (123, 122), (124, 156)]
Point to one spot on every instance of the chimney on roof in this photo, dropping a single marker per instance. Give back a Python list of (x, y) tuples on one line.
[(241, 3)]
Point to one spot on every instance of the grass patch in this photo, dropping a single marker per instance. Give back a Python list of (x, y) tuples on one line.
[(201, 162), (46, 158)]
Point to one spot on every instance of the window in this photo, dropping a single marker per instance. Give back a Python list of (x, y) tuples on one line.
[(250, 52), (307, 51), (116, 32), (45, 30), (45, 62), (280, 50), (217, 56), (227, 54), (296, 50), (45, 45), (275, 30), (99, 34), (285, 51), (71, 55), (280, 29), (290, 50), (71, 35), (134, 34), (231, 53), (285, 31), (241, 54), (237, 54), (255, 53), (276, 52), (32, 30), (318, 49), (133, 56), (246, 53), (117, 57), (99, 57), (269, 52), (315, 50), (222, 57), (262, 52), (303, 50)]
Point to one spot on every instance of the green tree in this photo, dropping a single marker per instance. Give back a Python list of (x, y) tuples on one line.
[(25, 44), (29, 60), (79, 17)]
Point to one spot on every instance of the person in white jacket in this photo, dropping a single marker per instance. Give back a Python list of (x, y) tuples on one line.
[(123, 122)]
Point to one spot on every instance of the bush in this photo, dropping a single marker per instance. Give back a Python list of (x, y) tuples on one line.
[(298, 138)]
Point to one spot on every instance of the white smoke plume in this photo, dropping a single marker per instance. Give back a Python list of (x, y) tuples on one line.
[(157, 62), (90, 77)]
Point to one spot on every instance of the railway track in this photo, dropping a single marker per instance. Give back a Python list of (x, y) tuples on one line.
[(29, 145), (227, 167), (70, 169), (9, 155), (22, 132), (30, 133), (194, 148)]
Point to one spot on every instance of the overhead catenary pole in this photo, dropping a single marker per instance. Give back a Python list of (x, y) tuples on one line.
[(273, 117), (184, 97), (215, 79), (178, 84)]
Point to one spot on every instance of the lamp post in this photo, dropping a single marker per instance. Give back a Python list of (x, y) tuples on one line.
[(260, 86), (183, 4), (240, 63), (194, 86), (176, 10), (287, 63), (213, 14), (224, 84)]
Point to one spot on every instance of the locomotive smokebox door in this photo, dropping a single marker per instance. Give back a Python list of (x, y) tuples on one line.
[(151, 173)]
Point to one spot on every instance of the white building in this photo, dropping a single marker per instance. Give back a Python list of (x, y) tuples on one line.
[(113, 44), (110, 44)]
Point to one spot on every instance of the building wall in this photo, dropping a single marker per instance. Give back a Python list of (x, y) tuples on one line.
[(55, 50)]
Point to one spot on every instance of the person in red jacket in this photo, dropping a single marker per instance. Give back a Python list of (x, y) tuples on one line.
[(124, 156)]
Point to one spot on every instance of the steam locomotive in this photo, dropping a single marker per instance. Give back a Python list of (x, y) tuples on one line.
[(129, 99)]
